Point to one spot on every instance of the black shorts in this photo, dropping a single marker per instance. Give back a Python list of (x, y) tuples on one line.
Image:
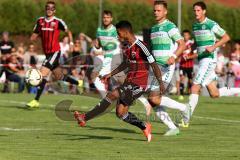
[(187, 72), (129, 92), (52, 60)]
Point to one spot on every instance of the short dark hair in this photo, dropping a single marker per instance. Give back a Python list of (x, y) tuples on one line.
[(161, 2), (200, 4), (107, 12), (186, 31), (124, 25)]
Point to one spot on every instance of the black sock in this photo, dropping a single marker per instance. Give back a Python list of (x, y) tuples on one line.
[(70, 80), (133, 120), (40, 89), (98, 109), (181, 88)]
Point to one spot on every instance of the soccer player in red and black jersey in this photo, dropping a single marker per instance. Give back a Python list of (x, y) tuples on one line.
[(137, 59), (48, 29), (187, 59)]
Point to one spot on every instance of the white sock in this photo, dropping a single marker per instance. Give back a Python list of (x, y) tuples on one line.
[(143, 100), (228, 91), (100, 87), (170, 103), (146, 104), (164, 117), (193, 101)]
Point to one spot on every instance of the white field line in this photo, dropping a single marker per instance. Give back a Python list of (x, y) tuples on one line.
[(85, 107), (19, 129), (217, 119)]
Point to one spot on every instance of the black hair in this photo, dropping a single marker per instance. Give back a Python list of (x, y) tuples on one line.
[(124, 25), (200, 4), (186, 31)]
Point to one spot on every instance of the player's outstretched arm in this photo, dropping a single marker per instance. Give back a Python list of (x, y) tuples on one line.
[(120, 68), (225, 38), (157, 72), (69, 33)]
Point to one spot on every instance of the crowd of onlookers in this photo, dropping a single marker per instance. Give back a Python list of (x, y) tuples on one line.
[(78, 61)]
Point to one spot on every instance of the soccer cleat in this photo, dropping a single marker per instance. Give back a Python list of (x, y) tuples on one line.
[(172, 132), (80, 83), (80, 118), (183, 124), (147, 132), (33, 104)]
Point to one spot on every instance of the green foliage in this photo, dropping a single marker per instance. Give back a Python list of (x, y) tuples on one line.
[(19, 16)]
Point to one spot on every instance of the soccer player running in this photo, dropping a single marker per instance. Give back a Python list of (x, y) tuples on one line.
[(187, 60), (108, 42), (48, 28), (137, 60), (205, 33), (164, 35)]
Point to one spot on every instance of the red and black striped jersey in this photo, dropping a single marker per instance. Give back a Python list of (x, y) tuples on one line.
[(138, 58), (49, 31), (190, 62)]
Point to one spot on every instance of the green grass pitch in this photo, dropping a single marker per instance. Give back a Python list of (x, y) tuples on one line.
[(39, 135)]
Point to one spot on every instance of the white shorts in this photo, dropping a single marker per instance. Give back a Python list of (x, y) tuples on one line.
[(206, 72), (98, 63), (167, 74)]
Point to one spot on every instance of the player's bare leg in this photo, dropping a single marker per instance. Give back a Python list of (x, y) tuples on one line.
[(99, 109), (220, 92)]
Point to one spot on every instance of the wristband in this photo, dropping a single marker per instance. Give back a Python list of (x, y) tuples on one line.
[(175, 56), (71, 43)]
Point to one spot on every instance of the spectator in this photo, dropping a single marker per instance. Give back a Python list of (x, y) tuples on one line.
[(76, 51), (221, 70), (77, 48), (14, 72), (20, 54), (236, 50), (65, 49), (29, 58), (6, 47), (84, 39)]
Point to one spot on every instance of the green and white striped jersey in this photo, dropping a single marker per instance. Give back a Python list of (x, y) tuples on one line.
[(108, 40), (163, 38), (205, 34)]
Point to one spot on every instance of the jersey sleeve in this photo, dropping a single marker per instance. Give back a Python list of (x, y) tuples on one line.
[(174, 33), (62, 25), (217, 30), (36, 28), (97, 33), (146, 52)]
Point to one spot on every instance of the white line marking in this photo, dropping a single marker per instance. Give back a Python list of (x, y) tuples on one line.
[(19, 129), (85, 107), (217, 119)]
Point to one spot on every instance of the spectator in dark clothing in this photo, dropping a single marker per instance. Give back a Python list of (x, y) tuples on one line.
[(14, 72)]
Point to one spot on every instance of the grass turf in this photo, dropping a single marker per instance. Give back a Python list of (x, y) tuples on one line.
[(39, 134)]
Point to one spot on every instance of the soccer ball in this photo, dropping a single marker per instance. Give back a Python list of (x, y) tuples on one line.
[(33, 77)]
